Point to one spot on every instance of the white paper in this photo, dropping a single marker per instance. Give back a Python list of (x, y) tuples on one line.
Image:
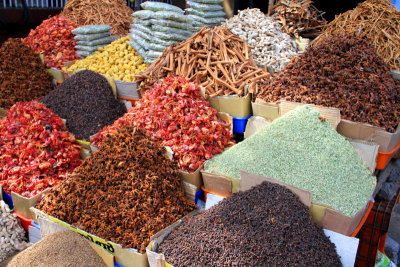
[(212, 200), (346, 247)]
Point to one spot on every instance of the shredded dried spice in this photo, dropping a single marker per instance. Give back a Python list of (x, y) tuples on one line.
[(125, 192), (86, 101), (36, 151), (175, 112), (264, 226), (55, 40), (23, 77), (342, 72)]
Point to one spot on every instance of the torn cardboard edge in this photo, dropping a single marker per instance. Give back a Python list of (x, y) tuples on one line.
[(234, 105), (126, 257), (331, 219), (368, 152)]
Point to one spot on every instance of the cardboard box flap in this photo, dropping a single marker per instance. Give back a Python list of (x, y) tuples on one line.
[(22, 204), (249, 180), (57, 74), (217, 183), (270, 111), (223, 116), (332, 115), (1, 193), (3, 113), (254, 124), (233, 105), (368, 152), (193, 178), (127, 89), (105, 256)]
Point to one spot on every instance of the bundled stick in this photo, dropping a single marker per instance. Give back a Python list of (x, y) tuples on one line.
[(214, 58), (93, 12), (377, 21), (298, 17)]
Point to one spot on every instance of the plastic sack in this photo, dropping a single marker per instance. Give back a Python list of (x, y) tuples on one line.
[(101, 41), (142, 28), (143, 14), (141, 34), (205, 7), (139, 49), (92, 36), (208, 1), (157, 6), (139, 40), (92, 29), (156, 47), (160, 28), (211, 14), (169, 36), (171, 23), (88, 48), (163, 42), (144, 22), (169, 15), (154, 54), (83, 54)]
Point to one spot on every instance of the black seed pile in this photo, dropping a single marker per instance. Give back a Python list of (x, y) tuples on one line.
[(264, 226), (86, 101)]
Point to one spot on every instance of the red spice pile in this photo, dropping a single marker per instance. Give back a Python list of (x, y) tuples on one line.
[(36, 152), (175, 112), (55, 40)]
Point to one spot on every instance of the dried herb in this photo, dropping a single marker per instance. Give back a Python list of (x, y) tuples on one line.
[(23, 77), (86, 101), (300, 149), (54, 39), (342, 72), (175, 112), (36, 150), (264, 226), (125, 192)]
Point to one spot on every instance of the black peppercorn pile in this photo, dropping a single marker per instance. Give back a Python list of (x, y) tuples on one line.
[(342, 72), (87, 103), (264, 226), (23, 77), (125, 192)]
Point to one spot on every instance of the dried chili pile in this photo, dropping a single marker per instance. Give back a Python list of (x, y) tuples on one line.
[(23, 77), (36, 150), (86, 101), (342, 72), (175, 112), (265, 226), (125, 192), (54, 39)]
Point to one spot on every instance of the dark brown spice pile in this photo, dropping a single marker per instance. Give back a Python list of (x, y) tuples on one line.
[(125, 192), (342, 72), (23, 77), (264, 226), (87, 103)]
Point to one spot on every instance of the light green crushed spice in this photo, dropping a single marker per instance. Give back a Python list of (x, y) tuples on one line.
[(300, 150)]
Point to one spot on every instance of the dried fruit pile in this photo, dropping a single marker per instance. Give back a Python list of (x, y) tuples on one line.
[(300, 150), (264, 226), (115, 13), (342, 72), (377, 21), (86, 101), (214, 58), (36, 150), (125, 192), (175, 112), (54, 39), (23, 77)]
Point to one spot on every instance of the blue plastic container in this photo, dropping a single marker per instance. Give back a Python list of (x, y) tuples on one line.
[(239, 124), (397, 4), (117, 264), (8, 200)]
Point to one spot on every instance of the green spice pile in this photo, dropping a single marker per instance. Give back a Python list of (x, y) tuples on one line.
[(303, 150), (264, 226), (23, 77), (125, 192)]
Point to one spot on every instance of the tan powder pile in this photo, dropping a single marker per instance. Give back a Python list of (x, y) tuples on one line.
[(60, 249)]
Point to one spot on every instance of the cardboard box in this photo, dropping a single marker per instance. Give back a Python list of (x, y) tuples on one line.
[(3, 113), (57, 74), (233, 105), (368, 152), (395, 74), (254, 124), (269, 111), (127, 89), (362, 131), (193, 178), (331, 219), (124, 256), (220, 184)]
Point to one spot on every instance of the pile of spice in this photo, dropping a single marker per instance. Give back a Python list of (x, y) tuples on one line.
[(214, 58), (272, 47), (12, 235), (64, 248), (87, 102), (36, 150), (298, 17), (115, 13), (118, 60), (54, 39), (377, 21), (175, 112), (265, 226), (125, 192), (23, 77), (342, 72), (303, 150)]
